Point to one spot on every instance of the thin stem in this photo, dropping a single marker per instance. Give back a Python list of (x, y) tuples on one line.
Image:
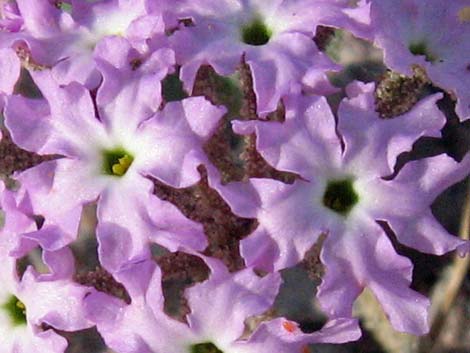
[(446, 291)]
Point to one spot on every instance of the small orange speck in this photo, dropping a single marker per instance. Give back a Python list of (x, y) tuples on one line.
[(464, 14), (289, 326), (305, 349)]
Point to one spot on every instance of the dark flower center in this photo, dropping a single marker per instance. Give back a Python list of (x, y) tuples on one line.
[(421, 48), (116, 162), (206, 347), (340, 196), (255, 33), (15, 310)]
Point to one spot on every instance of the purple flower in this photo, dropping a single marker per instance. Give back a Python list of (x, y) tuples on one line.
[(342, 194), (433, 34), (106, 158), (10, 68), (10, 18), (68, 42), (15, 220), (219, 308), (273, 37), (33, 300)]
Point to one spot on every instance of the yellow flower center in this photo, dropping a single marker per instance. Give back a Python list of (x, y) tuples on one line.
[(16, 310), (123, 164), (116, 162)]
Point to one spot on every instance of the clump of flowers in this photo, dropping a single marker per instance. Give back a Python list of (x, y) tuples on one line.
[(205, 137)]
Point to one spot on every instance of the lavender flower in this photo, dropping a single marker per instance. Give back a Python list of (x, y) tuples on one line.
[(68, 42), (10, 18), (28, 303), (142, 326), (107, 159), (274, 38), (342, 194), (9, 73), (432, 34)]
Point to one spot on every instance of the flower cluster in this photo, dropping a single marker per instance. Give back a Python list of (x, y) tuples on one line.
[(232, 184)]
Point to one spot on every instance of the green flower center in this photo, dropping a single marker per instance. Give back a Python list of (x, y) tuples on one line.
[(256, 33), (15, 310), (64, 6), (340, 196), (116, 162), (421, 48), (206, 347)]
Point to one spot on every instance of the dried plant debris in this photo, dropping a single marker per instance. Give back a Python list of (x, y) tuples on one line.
[(396, 94)]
